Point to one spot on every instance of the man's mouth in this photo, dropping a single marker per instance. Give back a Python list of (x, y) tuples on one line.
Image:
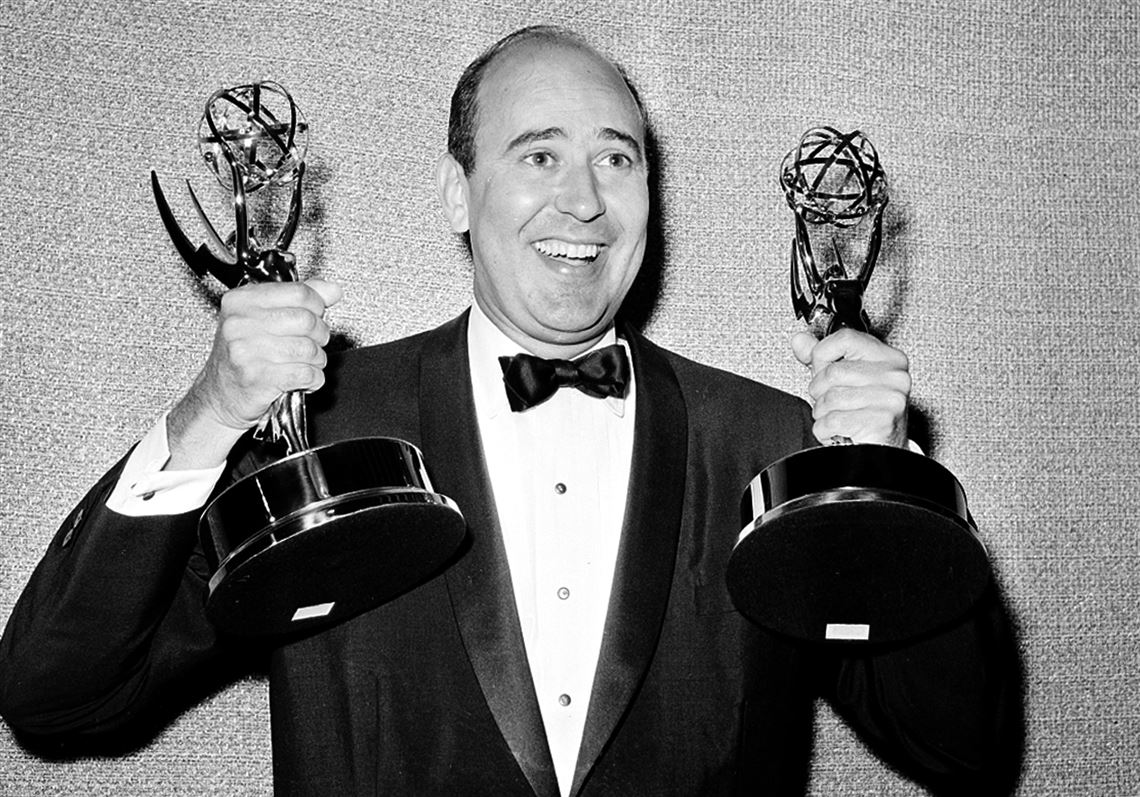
[(567, 251)]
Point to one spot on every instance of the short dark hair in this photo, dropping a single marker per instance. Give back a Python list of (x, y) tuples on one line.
[(462, 123)]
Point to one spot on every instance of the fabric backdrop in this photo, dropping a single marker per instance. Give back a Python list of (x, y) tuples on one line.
[(1009, 134)]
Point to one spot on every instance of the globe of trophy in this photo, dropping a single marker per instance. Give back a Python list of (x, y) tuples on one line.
[(321, 533), (849, 543)]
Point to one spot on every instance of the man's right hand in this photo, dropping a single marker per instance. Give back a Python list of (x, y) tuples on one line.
[(269, 340)]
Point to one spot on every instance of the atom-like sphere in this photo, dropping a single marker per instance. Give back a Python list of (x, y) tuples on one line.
[(257, 128), (833, 178)]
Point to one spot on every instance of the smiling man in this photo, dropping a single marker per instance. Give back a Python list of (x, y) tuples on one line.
[(555, 197), (584, 643)]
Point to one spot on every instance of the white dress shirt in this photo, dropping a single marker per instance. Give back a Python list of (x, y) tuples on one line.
[(559, 473), (144, 488)]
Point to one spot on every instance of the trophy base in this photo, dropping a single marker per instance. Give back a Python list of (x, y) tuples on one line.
[(337, 530), (859, 543)]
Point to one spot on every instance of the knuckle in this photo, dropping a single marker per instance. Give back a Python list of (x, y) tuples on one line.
[(817, 387), (296, 375), (308, 377), (239, 351), (896, 404), (289, 377), (287, 292), (228, 326), (231, 299), (834, 371), (304, 319), (834, 396), (304, 349), (906, 382), (321, 333), (820, 430), (255, 378), (292, 318)]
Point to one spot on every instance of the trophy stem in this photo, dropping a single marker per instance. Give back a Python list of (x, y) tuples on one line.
[(846, 300)]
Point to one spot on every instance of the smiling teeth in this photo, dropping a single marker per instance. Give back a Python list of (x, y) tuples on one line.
[(555, 248)]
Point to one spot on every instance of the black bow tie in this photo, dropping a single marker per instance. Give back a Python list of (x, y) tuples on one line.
[(532, 380)]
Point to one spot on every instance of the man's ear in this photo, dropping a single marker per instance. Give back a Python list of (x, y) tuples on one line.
[(451, 183)]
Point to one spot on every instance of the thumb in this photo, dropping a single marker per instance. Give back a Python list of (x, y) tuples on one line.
[(330, 292), (803, 344)]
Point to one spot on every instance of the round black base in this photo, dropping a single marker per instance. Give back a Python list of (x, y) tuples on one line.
[(325, 534), (334, 560), (835, 569)]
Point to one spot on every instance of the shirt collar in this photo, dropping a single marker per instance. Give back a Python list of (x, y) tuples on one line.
[(486, 343)]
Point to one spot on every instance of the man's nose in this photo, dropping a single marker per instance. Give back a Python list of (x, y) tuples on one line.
[(578, 194)]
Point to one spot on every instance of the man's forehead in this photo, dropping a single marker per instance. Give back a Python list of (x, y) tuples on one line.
[(547, 88)]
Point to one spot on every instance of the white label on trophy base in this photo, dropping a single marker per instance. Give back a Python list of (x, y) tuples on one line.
[(309, 612), (849, 631)]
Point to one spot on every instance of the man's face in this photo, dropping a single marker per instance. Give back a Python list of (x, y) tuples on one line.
[(558, 201)]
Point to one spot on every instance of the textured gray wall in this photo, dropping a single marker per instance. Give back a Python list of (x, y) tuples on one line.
[(1009, 133)]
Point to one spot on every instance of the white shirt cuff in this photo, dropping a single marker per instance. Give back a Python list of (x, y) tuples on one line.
[(144, 488)]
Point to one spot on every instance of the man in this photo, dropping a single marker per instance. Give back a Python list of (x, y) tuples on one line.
[(585, 642)]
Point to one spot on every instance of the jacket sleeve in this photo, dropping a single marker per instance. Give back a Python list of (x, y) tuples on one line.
[(112, 617), (945, 710)]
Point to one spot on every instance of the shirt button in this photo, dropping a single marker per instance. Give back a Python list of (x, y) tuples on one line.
[(564, 700), (560, 488), (563, 593)]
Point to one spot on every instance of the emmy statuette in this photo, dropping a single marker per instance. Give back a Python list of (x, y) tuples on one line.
[(325, 532), (849, 543)]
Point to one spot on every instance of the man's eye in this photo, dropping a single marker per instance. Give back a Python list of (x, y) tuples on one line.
[(539, 159), (618, 160)]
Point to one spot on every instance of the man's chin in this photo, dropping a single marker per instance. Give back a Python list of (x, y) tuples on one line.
[(564, 333)]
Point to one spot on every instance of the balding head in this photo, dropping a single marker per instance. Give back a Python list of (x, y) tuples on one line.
[(465, 100)]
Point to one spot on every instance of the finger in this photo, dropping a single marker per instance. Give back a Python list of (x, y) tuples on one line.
[(861, 426), (295, 376), (249, 299), (803, 343), (296, 350), (330, 292), (258, 322), (256, 387), (847, 344), (875, 400), (283, 321), (249, 356), (858, 374)]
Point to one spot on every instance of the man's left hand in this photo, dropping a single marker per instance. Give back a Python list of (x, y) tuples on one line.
[(859, 387)]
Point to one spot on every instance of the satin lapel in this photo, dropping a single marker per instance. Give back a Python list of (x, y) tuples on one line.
[(479, 582), (644, 572)]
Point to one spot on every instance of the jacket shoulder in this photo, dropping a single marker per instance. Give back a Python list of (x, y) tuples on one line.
[(729, 410), (717, 389), (374, 390)]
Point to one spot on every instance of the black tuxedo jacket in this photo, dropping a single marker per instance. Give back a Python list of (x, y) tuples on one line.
[(431, 693)]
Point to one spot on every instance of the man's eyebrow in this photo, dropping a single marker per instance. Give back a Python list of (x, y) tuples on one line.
[(547, 133), (530, 136), (611, 134)]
